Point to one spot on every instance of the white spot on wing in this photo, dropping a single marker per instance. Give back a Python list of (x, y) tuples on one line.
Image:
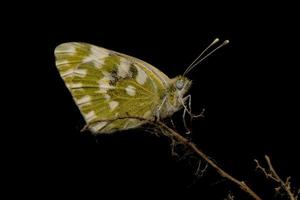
[(59, 62), (102, 91), (147, 114), (107, 96), (113, 105), (65, 48), (67, 73), (107, 75), (90, 116), (130, 123), (141, 76), (76, 85), (104, 84), (84, 99), (123, 68), (81, 72), (130, 90), (97, 55), (97, 126)]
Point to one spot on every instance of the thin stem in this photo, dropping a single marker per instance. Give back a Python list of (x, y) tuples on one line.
[(284, 185), (271, 173)]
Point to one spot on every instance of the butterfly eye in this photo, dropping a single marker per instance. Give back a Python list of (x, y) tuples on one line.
[(179, 84)]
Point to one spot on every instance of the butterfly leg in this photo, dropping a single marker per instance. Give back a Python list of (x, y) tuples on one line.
[(159, 109), (201, 114), (187, 104), (183, 101), (184, 121), (185, 110), (173, 124), (189, 99)]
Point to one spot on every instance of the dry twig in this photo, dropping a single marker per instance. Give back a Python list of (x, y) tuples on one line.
[(271, 173), (174, 135)]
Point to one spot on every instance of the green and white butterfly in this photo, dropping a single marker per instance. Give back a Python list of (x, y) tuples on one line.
[(109, 87)]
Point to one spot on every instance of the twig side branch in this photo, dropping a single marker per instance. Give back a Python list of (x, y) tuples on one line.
[(272, 174)]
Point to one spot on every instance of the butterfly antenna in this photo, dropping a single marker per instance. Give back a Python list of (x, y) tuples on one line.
[(211, 44), (197, 61)]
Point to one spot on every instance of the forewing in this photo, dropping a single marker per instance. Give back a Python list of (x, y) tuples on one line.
[(107, 85)]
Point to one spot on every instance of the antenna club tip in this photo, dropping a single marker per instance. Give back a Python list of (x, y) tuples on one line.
[(226, 41), (216, 40)]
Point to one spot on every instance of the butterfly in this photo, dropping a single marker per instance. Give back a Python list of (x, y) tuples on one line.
[(108, 87)]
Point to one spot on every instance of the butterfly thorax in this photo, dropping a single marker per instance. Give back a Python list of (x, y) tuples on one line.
[(173, 97)]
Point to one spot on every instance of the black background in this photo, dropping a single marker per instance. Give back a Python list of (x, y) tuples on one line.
[(248, 88)]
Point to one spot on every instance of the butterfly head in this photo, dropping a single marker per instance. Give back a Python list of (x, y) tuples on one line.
[(182, 85), (178, 88)]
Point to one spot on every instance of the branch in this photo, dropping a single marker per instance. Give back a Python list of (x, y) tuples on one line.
[(272, 174), (171, 133), (243, 186)]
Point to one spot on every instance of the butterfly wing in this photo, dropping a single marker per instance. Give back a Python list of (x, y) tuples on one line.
[(108, 85)]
